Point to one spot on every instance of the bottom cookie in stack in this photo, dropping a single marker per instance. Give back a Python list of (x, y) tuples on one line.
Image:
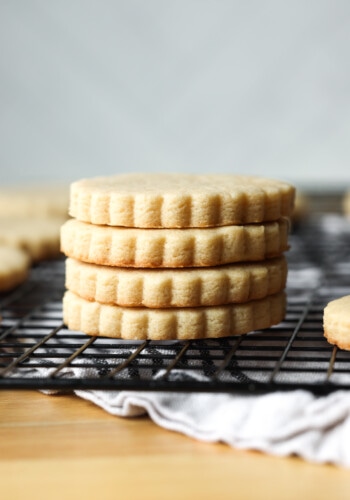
[(14, 267), (94, 318)]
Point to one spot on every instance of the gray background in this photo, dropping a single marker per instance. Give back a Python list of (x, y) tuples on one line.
[(95, 87)]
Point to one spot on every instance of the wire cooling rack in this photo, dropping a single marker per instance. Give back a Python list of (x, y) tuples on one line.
[(38, 352)]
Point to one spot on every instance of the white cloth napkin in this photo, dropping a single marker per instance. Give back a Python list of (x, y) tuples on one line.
[(316, 429)]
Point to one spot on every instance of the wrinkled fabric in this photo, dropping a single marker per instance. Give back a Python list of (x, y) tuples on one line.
[(316, 429)]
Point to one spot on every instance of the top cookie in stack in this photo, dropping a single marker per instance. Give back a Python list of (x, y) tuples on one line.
[(172, 256)]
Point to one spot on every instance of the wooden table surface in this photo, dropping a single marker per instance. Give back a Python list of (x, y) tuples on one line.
[(64, 447)]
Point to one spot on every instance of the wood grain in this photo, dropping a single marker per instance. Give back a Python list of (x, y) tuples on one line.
[(64, 447)]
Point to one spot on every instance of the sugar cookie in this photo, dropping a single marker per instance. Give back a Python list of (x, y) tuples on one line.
[(301, 207), (130, 247), (346, 203), (14, 267), (131, 323), (336, 322), (186, 287), (179, 200), (38, 236), (38, 200)]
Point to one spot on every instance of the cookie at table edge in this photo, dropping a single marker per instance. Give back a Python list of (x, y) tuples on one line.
[(14, 267), (336, 322)]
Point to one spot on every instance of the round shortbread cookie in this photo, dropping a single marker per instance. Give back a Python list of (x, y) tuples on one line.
[(301, 207), (179, 200), (130, 323), (14, 267), (38, 236), (130, 247), (38, 200), (336, 322), (346, 203), (187, 287)]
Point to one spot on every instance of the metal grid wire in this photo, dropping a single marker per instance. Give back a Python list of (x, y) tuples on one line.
[(38, 352)]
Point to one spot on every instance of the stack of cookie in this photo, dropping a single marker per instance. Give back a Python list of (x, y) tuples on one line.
[(171, 256)]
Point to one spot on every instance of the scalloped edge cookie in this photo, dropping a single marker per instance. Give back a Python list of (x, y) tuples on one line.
[(336, 322), (130, 247), (130, 323), (14, 267), (179, 200), (38, 236), (187, 287), (346, 203), (37, 200)]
